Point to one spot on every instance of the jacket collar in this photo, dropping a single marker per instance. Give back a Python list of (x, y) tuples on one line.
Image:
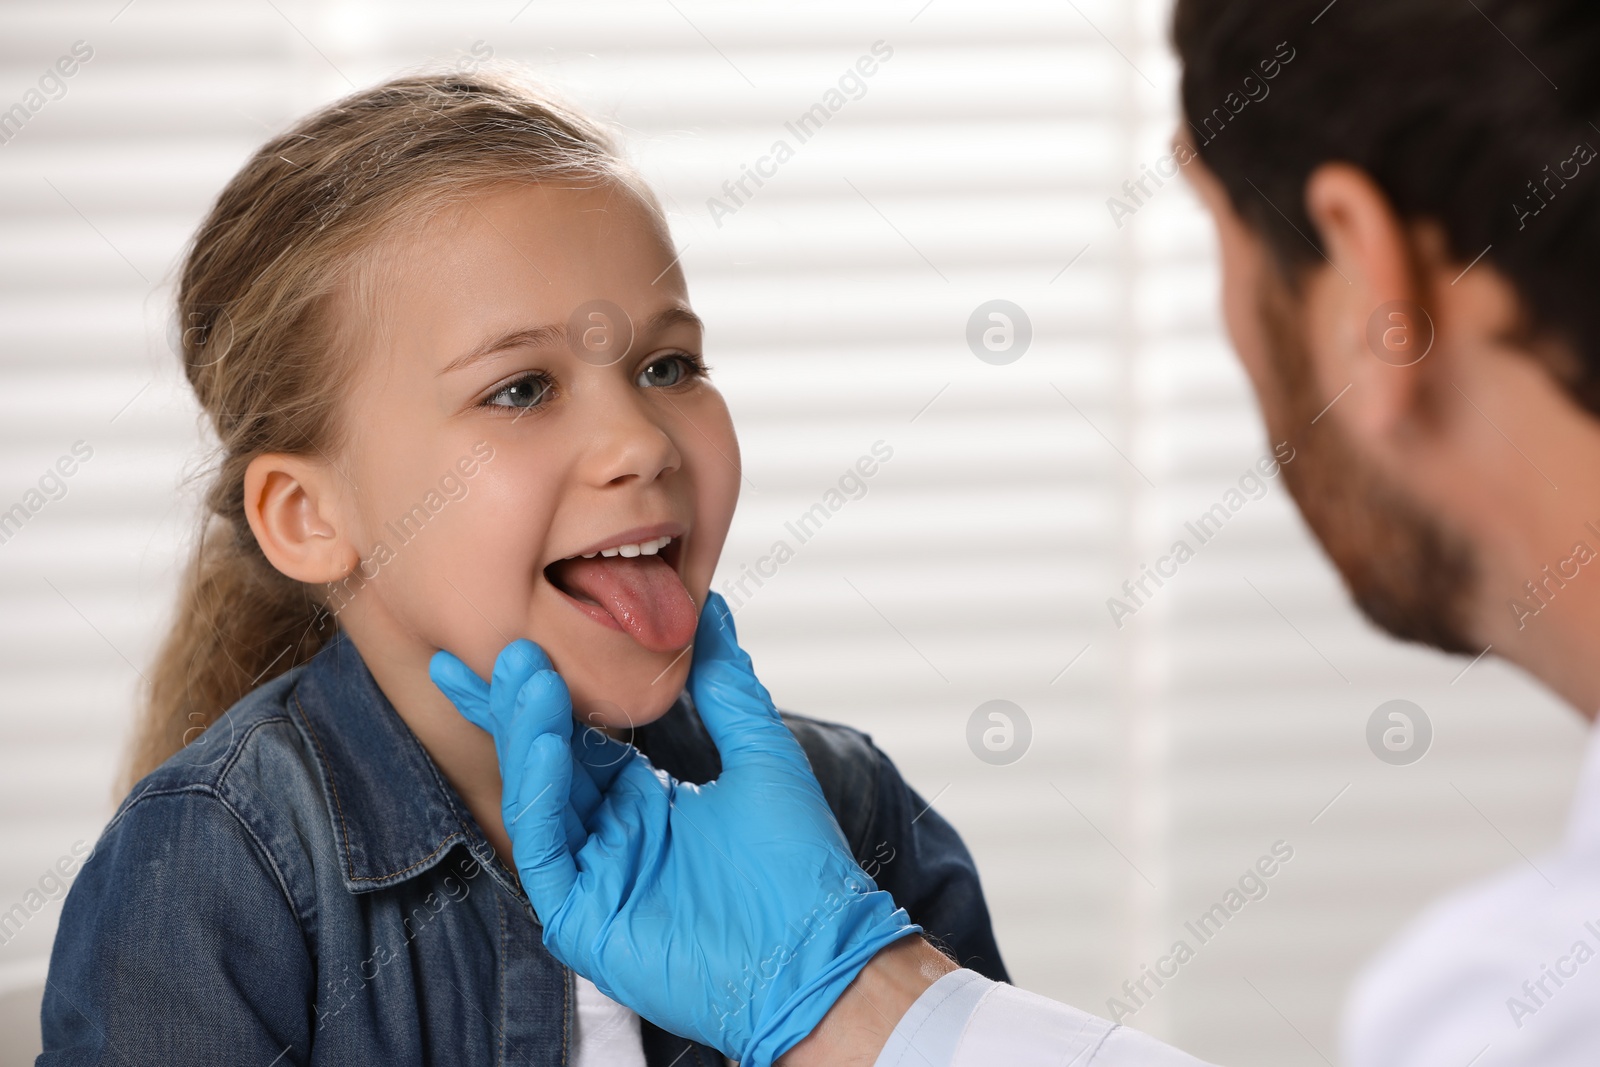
[(394, 815)]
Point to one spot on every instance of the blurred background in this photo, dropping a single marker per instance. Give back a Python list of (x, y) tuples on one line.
[(1138, 770)]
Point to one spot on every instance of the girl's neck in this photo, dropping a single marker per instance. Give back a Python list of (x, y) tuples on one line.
[(463, 753)]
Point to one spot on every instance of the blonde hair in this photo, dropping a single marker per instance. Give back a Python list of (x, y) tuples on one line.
[(269, 363)]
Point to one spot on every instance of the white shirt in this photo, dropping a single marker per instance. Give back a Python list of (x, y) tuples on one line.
[(607, 1033), (1503, 973)]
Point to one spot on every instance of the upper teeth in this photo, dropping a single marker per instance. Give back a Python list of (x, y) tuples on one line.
[(643, 548)]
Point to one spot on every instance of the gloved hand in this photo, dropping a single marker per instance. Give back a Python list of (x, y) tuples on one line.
[(523, 699), (732, 913)]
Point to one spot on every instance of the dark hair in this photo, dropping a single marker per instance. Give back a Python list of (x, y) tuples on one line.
[(1456, 109)]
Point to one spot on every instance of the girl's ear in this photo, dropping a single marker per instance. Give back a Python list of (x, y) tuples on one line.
[(295, 510)]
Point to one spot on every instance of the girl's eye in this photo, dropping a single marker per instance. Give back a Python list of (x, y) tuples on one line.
[(524, 394), (671, 370)]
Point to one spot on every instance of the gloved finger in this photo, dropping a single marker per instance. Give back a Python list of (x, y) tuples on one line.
[(577, 834), (517, 662), (732, 702), (541, 705), (544, 859), (715, 637), (601, 757), (606, 864), (632, 827), (468, 692), (512, 809), (545, 711), (716, 645), (584, 796), (543, 700), (635, 808)]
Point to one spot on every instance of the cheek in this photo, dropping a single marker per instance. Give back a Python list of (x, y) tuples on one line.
[(1240, 313), (1242, 266), (499, 530), (472, 562), (712, 460)]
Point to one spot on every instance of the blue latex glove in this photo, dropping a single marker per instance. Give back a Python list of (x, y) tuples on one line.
[(523, 699), (732, 913)]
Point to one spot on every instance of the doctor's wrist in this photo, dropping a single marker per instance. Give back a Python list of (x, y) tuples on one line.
[(859, 1024)]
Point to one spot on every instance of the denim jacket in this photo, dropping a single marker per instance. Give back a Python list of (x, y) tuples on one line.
[(300, 885)]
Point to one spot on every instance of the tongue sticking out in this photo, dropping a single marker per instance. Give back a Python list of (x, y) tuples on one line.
[(643, 594)]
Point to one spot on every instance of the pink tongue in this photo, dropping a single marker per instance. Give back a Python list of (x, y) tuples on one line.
[(643, 594)]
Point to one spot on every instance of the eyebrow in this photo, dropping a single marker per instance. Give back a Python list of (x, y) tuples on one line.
[(552, 334)]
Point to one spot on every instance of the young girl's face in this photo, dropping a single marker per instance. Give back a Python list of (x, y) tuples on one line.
[(531, 393)]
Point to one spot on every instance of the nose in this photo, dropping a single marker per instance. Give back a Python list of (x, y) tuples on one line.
[(629, 443)]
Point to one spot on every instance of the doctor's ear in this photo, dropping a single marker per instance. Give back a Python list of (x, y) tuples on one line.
[(295, 509), (1379, 311)]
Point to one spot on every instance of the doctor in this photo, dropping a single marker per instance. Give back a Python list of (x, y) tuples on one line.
[(1408, 211)]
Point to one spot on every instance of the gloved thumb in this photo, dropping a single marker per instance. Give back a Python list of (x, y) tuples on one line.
[(732, 702)]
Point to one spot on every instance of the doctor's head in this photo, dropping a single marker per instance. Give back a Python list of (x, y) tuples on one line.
[(1408, 214)]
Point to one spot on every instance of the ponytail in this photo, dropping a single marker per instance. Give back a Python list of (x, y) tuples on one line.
[(238, 622)]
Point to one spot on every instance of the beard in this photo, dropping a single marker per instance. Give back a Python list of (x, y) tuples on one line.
[(1407, 571)]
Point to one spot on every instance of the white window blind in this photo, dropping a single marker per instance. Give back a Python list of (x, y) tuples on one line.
[(974, 564)]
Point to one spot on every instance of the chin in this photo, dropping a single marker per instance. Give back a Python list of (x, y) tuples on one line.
[(625, 655), (630, 697)]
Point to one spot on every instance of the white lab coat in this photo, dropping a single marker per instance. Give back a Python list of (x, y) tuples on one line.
[(1503, 973), (1506, 972)]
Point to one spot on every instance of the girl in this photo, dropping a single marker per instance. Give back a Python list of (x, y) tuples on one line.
[(441, 334)]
